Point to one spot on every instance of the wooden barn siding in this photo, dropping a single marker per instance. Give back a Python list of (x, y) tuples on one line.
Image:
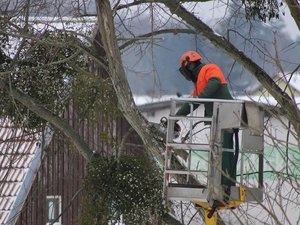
[(63, 168)]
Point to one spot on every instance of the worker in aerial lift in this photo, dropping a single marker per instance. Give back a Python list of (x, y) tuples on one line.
[(209, 82)]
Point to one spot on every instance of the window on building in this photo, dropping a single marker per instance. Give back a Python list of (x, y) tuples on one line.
[(54, 210)]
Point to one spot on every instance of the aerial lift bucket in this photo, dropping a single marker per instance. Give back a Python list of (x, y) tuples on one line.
[(203, 185)]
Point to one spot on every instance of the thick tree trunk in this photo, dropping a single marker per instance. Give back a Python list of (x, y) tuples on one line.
[(120, 83)]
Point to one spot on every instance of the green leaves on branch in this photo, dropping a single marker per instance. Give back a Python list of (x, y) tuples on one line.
[(262, 9), (43, 70), (129, 186), (51, 69), (92, 93)]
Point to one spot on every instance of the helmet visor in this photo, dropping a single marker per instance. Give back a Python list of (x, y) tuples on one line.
[(185, 72)]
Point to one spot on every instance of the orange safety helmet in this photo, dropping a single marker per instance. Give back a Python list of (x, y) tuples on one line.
[(189, 56)]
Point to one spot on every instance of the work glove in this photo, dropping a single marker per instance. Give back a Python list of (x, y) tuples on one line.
[(177, 128)]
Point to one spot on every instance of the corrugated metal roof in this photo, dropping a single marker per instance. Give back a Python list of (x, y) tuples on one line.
[(18, 149)]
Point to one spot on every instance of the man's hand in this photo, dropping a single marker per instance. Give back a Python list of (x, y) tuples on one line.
[(177, 130)]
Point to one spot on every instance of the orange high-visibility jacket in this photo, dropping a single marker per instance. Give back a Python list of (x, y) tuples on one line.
[(208, 71)]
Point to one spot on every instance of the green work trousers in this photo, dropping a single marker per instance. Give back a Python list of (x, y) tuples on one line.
[(228, 166)]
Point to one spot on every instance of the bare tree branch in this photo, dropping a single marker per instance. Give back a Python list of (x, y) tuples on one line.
[(286, 102), (154, 33), (57, 122), (294, 7)]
